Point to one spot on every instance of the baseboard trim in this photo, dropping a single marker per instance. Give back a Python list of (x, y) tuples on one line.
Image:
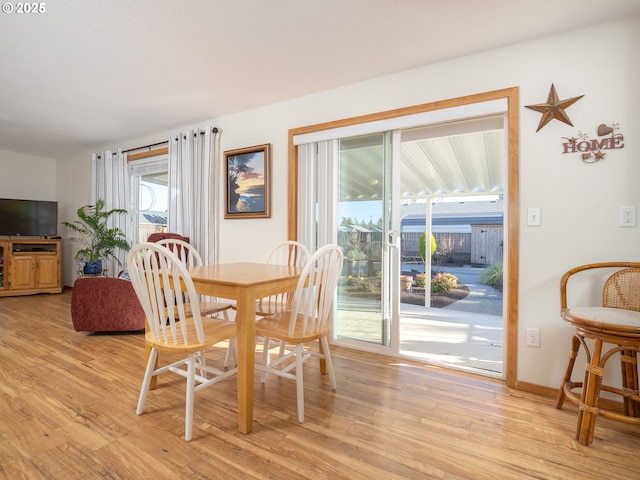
[(605, 403)]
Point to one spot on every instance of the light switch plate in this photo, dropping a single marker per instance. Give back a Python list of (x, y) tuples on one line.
[(533, 216)]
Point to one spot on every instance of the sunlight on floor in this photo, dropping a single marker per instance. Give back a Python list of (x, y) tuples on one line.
[(466, 340)]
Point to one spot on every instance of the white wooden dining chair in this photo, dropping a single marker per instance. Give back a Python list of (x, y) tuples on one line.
[(290, 253), (190, 257), (308, 319), (174, 324)]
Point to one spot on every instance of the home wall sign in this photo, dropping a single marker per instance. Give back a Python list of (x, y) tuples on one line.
[(591, 149), (554, 108)]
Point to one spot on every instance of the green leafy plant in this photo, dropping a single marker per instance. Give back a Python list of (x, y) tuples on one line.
[(420, 280), (364, 284), (354, 254), (443, 282), (492, 275), (422, 245), (98, 240)]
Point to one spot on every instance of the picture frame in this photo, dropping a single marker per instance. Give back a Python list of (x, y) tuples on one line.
[(248, 182)]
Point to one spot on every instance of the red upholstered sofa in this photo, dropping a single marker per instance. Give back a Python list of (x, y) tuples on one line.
[(156, 237), (104, 304)]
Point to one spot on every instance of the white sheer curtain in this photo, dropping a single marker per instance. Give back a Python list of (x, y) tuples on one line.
[(193, 181), (317, 193), (110, 182)]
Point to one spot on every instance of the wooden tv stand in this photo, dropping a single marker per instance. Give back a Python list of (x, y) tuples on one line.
[(29, 266)]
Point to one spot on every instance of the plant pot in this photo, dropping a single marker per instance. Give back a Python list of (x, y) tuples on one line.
[(405, 282), (93, 268)]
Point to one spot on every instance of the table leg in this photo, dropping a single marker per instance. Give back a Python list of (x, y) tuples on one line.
[(246, 324), (323, 362)]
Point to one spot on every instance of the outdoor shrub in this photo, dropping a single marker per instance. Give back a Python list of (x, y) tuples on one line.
[(355, 254), (420, 280), (439, 287), (422, 245), (368, 286), (443, 282), (492, 275), (363, 284), (448, 278)]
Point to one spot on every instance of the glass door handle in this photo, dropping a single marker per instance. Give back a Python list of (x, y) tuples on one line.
[(392, 239)]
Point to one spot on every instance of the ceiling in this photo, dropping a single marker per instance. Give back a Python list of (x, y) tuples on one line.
[(86, 73)]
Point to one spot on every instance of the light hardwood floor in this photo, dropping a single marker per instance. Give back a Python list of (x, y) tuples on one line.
[(67, 411)]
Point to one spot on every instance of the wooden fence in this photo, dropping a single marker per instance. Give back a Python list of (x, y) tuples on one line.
[(450, 247), (483, 246)]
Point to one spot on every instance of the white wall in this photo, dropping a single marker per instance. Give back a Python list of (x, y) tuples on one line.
[(579, 202), (27, 177)]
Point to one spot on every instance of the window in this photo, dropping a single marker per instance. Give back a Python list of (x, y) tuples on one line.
[(149, 196)]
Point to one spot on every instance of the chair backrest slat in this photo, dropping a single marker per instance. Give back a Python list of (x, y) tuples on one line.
[(313, 299), (290, 253), (164, 287), (186, 252)]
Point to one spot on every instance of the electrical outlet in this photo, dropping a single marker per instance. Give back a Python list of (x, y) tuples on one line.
[(628, 216), (533, 337)]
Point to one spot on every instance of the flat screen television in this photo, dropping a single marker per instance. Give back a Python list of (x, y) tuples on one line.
[(29, 218)]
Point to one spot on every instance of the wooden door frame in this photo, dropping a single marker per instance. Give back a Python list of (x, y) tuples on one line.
[(513, 194)]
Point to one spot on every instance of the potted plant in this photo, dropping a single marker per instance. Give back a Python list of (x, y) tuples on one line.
[(98, 240)]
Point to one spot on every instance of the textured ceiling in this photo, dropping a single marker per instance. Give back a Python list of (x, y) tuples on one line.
[(90, 73)]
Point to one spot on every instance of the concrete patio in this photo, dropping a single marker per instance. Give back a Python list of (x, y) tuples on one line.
[(467, 334)]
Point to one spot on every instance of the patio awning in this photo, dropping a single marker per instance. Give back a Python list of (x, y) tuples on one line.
[(459, 158)]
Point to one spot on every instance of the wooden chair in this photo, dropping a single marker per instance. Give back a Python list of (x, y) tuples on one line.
[(190, 257), (290, 253), (157, 236), (160, 278), (308, 319), (617, 323)]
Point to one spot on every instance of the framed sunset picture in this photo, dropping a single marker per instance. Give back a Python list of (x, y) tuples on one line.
[(248, 182)]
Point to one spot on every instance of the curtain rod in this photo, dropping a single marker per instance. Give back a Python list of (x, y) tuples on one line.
[(145, 146), (213, 130)]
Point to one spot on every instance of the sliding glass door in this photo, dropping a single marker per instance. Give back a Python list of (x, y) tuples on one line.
[(359, 183), (364, 225)]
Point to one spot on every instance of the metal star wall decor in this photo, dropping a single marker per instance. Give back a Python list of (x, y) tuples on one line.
[(554, 108)]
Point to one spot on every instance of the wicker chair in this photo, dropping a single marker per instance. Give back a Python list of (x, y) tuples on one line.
[(617, 323)]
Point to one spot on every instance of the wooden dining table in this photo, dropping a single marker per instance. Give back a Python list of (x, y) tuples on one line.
[(245, 283)]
